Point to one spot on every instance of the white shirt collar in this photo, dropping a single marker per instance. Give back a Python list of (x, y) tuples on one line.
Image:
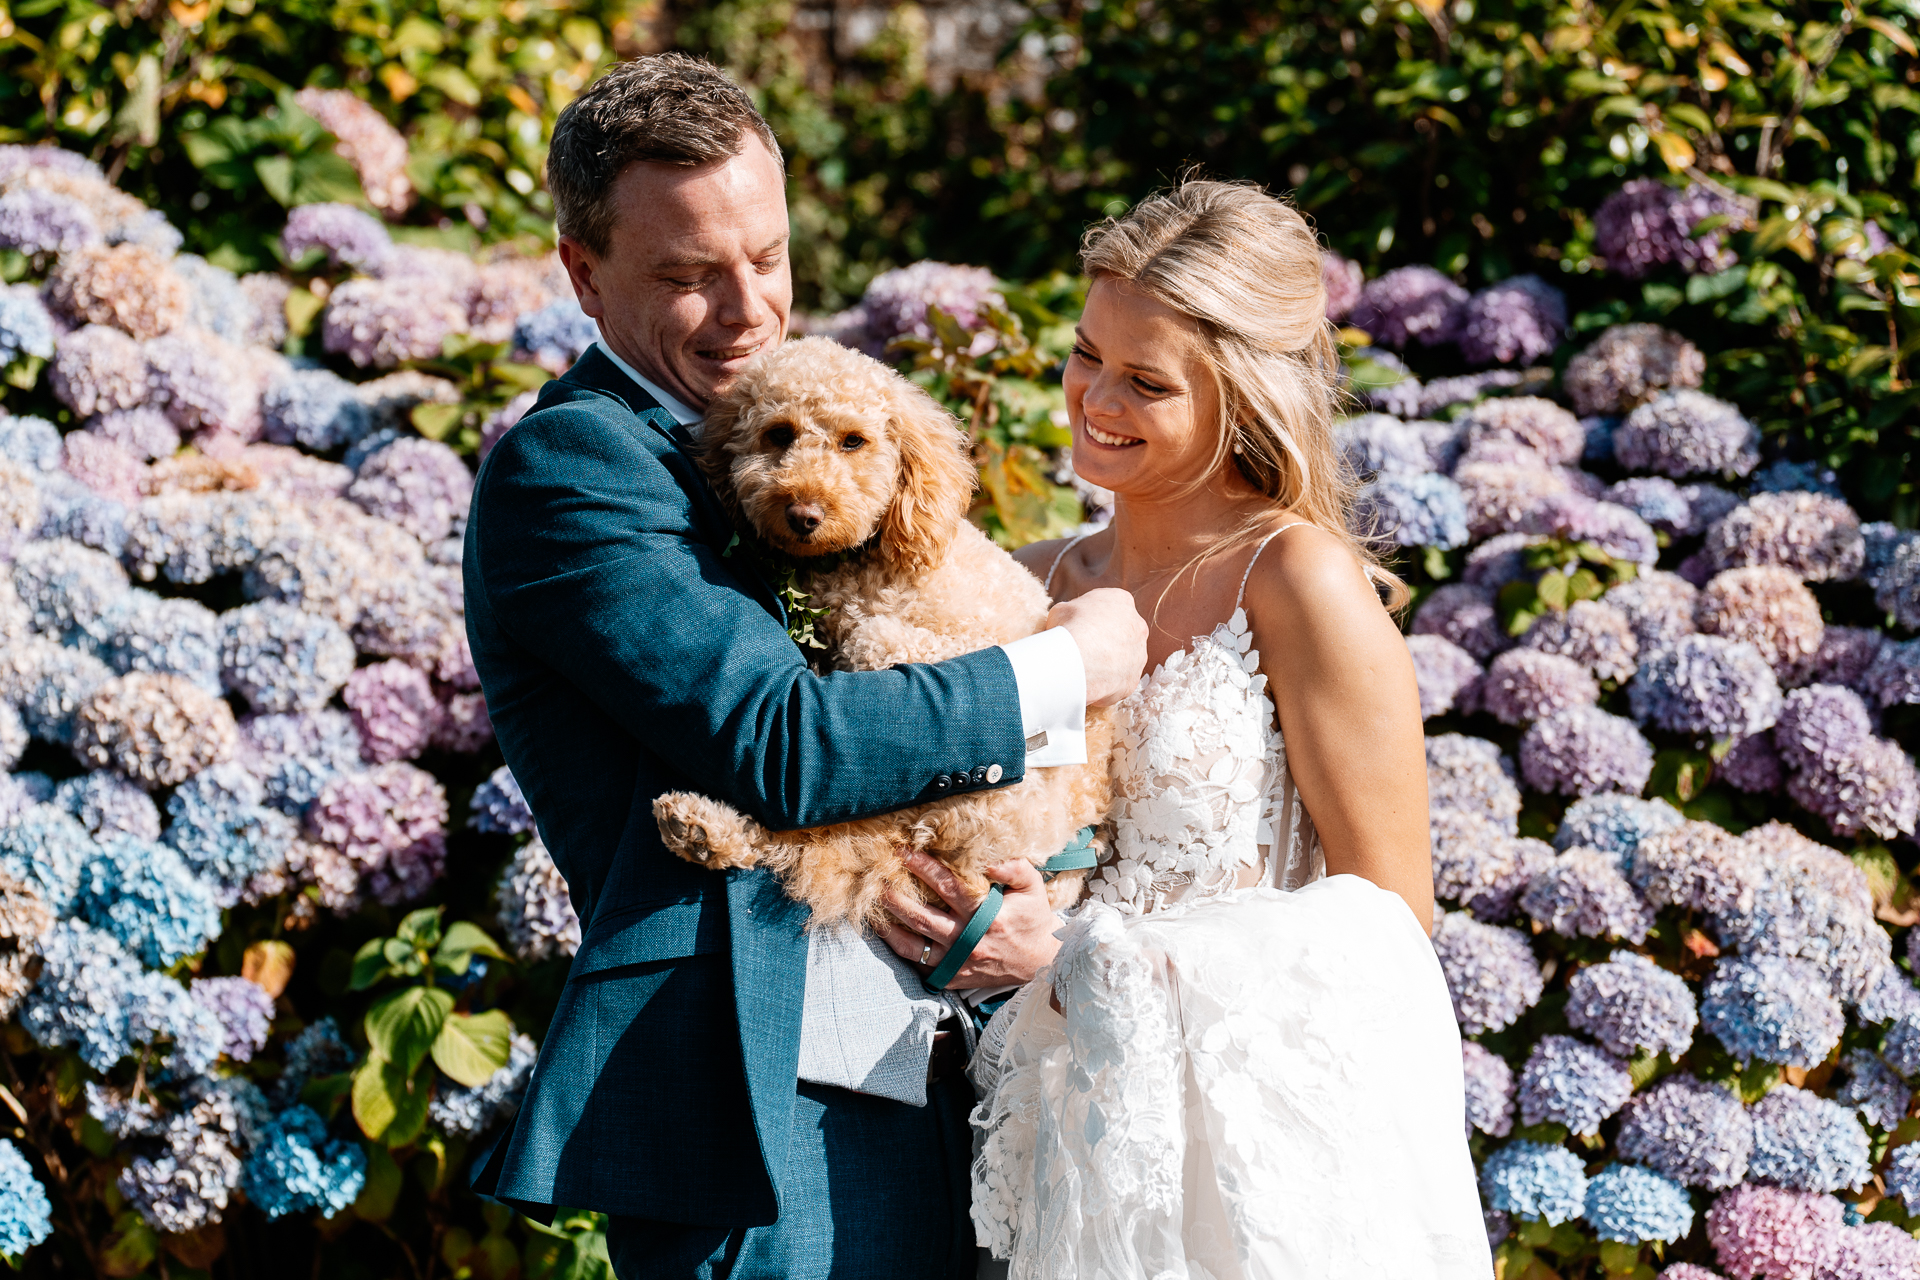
[(677, 411)]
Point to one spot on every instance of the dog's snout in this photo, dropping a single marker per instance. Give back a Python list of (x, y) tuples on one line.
[(804, 517)]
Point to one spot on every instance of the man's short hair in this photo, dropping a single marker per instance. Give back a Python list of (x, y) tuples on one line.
[(669, 108)]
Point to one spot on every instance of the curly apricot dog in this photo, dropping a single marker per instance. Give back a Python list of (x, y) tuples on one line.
[(823, 451)]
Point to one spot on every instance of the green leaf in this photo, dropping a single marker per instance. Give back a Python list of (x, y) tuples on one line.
[(455, 83), (1552, 589), (381, 1191), (464, 940), (1618, 1257), (434, 421), (421, 928), (369, 965), (472, 1046), (276, 175), (402, 1026), (131, 1246), (390, 1105)]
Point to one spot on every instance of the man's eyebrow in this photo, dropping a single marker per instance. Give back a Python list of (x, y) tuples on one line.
[(707, 260), (1148, 369)]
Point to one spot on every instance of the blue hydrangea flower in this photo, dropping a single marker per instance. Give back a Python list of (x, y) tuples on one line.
[(458, 1111), (1706, 684), (1785, 476), (498, 805), (1871, 1088), (1902, 1046), (224, 831), (1696, 1133), (148, 898), (105, 802), (1566, 1081), (1379, 442), (1614, 824), (1804, 1141), (95, 998), (556, 335), (32, 442), (26, 1215), (244, 1010), (45, 848), (316, 408), (316, 1052), (217, 301), (1581, 893), (145, 632), (1490, 970), (71, 511), (1631, 1204), (1414, 510), (1889, 995), (1655, 499), (280, 658), (295, 754), (69, 590), (299, 1167), (1902, 1176), (26, 329), (1630, 1004), (1532, 1180), (1772, 1009), (1489, 1082), (13, 736)]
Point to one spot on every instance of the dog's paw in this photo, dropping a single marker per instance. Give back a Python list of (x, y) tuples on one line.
[(702, 831)]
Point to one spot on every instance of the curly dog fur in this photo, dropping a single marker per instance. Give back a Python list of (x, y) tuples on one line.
[(822, 450)]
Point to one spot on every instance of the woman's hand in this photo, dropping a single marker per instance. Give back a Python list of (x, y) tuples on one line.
[(1019, 944)]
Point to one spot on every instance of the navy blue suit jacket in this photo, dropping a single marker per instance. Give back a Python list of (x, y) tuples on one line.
[(623, 656)]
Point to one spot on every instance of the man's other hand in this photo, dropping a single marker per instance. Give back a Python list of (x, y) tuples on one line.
[(1112, 638)]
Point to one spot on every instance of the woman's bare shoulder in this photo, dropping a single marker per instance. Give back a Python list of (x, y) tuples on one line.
[(1038, 557), (1309, 586)]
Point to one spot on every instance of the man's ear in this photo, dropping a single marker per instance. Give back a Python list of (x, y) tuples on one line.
[(582, 266)]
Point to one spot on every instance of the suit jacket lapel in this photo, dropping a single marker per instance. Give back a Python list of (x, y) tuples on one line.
[(594, 372)]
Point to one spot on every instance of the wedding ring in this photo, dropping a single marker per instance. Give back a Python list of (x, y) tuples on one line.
[(926, 954)]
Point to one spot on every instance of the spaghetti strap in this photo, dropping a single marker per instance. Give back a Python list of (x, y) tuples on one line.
[(1240, 597), (1054, 567)]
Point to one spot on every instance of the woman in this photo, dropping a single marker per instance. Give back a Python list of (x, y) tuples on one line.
[(1243, 1061)]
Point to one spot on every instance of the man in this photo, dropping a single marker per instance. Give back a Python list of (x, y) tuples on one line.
[(741, 1099)]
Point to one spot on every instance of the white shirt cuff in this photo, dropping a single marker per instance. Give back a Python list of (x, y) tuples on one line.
[(1053, 697)]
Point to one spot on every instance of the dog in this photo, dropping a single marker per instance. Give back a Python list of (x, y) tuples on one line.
[(831, 458)]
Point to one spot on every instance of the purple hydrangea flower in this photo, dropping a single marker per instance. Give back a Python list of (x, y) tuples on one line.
[(1873, 1251), (1845, 656), (896, 301), (316, 408), (1523, 685), (349, 237), (1894, 677), (420, 485), (103, 466), (1500, 495), (1753, 766), (35, 221), (1342, 279), (1491, 973), (499, 806), (1499, 560), (1659, 607), (1655, 499), (1469, 775), (1444, 671), (1408, 304), (1635, 1205), (1696, 1133), (1889, 994), (1628, 365), (1591, 632), (1478, 865), (1377, 442), (464, 1112), (1897, 585), (1820, 725), (1581, 750), (391, 822), (1464, 615), (1489, 1090), (380, 323), (244, 1010), (393, 706), (1805, 1142), (1443, 393), (1771, 1233), (1771, 1009), (376, 150), (281, 659), (1685, 433), (1529, 421), (205, 384), (1874, 787), (1903, 1176), (1521, 319), (1872, 1088), (1614, 529), (534, 908), (1706, 684), (145, 432), (1582, 893), (501, 420), (1534, 1181), (1631, 1004), (1646, 224), (556, 335), (317, 1052), (1769, 608), (106, 803), (295, 755)]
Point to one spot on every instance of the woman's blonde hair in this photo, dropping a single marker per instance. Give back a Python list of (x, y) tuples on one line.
[(1245, 268)]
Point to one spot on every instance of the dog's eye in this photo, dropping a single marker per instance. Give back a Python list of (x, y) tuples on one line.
[(781, 436), (850, 443)]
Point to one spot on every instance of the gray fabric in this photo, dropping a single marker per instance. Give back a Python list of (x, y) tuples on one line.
[(868, 1022)]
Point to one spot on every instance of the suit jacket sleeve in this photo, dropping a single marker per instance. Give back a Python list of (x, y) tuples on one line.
[(592, 562)]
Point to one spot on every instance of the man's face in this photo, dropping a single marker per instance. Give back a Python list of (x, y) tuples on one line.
[(695, 282)]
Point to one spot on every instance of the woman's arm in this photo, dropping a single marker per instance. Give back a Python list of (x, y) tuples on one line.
[(1343, 683)]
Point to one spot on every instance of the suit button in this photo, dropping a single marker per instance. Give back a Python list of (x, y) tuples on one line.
[(994, 774), (942, 783), (961, 777), (979, 775)]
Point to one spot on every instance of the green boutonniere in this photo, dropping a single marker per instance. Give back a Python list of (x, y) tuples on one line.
[(784, 572)]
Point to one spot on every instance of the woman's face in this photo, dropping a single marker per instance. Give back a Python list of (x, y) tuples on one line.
[(1144, 409)]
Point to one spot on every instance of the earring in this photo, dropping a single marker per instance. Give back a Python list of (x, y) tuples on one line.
[(1238, 447)]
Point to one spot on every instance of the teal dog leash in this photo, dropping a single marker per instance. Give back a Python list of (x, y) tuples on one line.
[(1075, 857)]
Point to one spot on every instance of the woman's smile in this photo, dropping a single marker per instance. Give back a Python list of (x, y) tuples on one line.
[(1110, 440)]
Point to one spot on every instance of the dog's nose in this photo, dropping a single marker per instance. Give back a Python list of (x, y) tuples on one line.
[(803, 518)]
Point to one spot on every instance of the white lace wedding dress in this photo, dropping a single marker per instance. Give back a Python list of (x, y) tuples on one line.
[(1257, 1070)]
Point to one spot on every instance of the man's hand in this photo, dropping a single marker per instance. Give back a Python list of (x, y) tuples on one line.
[(1018, 945), (1113, 641)]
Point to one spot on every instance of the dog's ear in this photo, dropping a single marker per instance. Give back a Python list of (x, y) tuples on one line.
[(936, 481), (717, 444)]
